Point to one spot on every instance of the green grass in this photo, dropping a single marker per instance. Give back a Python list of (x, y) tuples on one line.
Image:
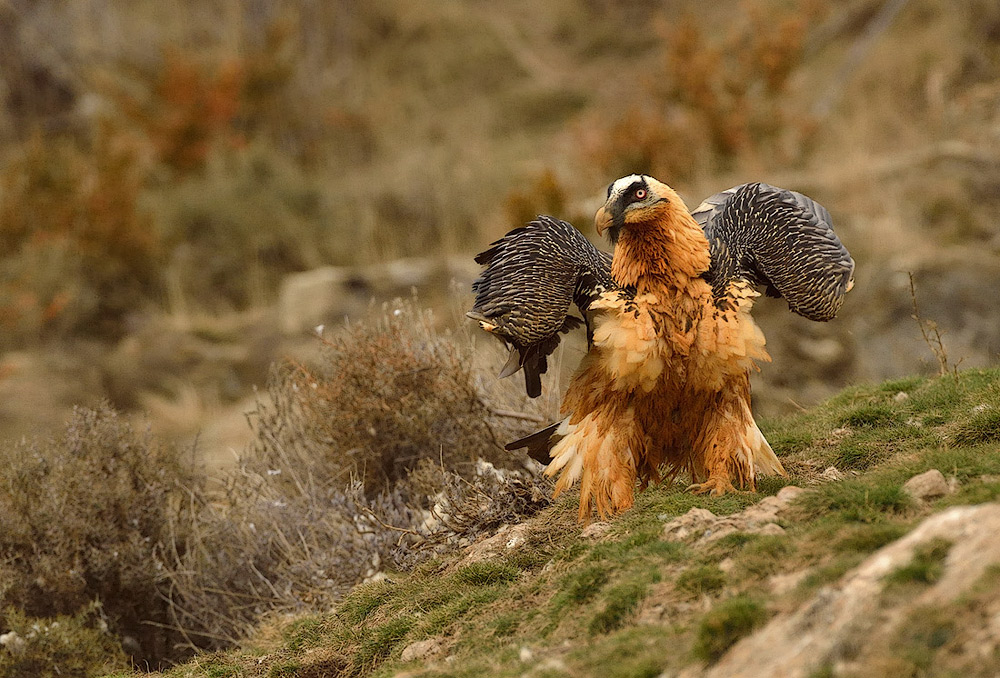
[(926, 566), (729, 621), (619, 602), (487, 574), (701, 579)]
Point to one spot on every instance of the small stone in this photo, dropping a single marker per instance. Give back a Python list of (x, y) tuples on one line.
[(422, 649), (14, 643), (554, 664), (902, 396), (781, 584), (831, 474), (695, 521), (927, 485), (596, 530), (526, 655)]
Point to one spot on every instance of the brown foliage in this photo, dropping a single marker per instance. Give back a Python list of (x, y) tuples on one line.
[(714, 99), (78, 251)]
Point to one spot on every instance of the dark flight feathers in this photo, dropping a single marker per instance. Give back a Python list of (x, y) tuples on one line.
[(778, 240), (782, 242), (533, 274)]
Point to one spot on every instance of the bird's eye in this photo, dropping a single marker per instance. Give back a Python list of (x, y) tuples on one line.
[(640, 193)]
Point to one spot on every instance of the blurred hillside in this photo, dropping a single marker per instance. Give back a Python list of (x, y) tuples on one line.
[(163, 167)]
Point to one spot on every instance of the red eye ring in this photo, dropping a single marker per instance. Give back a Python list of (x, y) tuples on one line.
[(640, 193)]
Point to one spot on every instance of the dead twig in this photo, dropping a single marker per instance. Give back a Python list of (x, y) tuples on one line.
[(932, 336)]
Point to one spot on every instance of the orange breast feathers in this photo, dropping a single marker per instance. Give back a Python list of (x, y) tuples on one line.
[(627, 346), (729, 342), (637, 341)]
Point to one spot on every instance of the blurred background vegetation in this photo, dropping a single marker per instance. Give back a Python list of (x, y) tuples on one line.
[(167, 168)]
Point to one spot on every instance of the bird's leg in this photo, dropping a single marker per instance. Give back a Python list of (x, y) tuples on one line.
[(715, 486), (726, 445)]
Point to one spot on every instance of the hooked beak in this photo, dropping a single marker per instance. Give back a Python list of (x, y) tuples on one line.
[(610, 218), (603, 220)]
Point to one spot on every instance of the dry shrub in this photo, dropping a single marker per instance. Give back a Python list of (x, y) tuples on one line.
[(87, 517), (384, 454), (380, 456), (387, 393)]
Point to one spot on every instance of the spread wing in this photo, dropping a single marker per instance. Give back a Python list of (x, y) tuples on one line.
[(533, 274), (780, 240)]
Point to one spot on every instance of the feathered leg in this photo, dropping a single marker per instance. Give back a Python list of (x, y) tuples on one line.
[(729, 446), (603, 461)]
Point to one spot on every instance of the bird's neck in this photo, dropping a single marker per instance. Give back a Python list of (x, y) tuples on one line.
[(664, 255)]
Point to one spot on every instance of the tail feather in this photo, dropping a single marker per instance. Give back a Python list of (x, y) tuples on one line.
[(540, 442), (763, 460)]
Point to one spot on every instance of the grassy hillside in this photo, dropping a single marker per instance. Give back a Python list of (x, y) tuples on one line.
[(167, 168), (553, 598)]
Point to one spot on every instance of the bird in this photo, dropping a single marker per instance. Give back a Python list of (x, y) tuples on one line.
[(664, 387)]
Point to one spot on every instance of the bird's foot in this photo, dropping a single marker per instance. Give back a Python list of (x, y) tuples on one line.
[(713, 487)]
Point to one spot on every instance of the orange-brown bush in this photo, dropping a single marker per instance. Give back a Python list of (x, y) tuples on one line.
[(78, 252), (714, 98)]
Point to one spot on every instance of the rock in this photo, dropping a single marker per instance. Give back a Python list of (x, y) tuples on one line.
[(926, 486), (772, 529), (852, 616), (704, 526), (310, 298), (696, 520), (14, 643), (507, 538), (422, 649), (595, 530), (789, 493), (901, 397), (525, 654), (781, 584)]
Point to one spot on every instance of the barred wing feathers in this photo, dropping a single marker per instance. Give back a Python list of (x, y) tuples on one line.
[(532, 276), (780, 240)]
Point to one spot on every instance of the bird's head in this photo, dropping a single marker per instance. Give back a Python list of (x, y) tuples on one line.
[(636, 201)]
